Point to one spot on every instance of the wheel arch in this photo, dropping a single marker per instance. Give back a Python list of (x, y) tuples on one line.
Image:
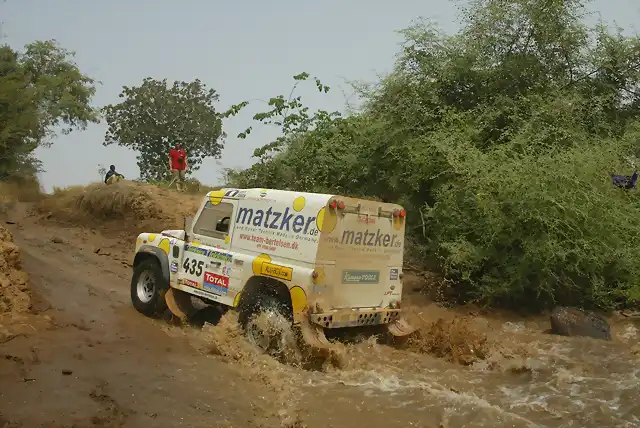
[(257, 285), (148, 252)]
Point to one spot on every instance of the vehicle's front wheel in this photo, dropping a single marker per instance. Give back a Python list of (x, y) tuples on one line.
[(148, 287)]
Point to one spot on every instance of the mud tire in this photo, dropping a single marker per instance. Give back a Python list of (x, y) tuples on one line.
[(262, 303), (155, 306)]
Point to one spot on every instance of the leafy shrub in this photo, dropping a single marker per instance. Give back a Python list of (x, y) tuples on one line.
[(526, 229)]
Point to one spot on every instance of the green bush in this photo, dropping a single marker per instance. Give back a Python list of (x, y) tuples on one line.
[(516, 230), (499, 141)]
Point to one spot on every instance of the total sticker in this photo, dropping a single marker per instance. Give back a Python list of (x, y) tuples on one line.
[(216, 283), (174, 266)]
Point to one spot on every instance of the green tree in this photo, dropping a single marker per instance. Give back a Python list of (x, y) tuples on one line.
[(41, 90), (19, 119), (278, 166), (152, 117)]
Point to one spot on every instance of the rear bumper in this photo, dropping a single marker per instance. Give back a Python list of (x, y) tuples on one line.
[(355, 318)]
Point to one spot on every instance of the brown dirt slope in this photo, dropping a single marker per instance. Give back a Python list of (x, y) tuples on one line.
[(124, 206)]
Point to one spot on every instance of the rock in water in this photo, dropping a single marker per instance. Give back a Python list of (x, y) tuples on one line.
[(575, 322)]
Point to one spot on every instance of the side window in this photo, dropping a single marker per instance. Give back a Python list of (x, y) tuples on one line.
[(214, 220)]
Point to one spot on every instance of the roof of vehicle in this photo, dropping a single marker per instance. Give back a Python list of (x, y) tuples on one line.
[(260, 193), (272, 195)]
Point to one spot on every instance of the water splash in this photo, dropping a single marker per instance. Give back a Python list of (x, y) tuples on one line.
[(518, 375)]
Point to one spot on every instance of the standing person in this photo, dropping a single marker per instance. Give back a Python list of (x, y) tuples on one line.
[(178, 164)]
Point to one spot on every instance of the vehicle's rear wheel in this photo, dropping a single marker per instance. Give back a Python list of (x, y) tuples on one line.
[(267, 324), (148, 287)]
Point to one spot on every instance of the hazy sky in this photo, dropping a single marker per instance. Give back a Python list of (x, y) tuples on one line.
[(247, 50)]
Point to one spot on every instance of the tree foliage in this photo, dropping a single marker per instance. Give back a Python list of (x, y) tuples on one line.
[(152, 117), (297, 123), (41, 90), (499, 140)]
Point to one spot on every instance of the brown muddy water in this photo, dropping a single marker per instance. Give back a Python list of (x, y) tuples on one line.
[(463, 371)]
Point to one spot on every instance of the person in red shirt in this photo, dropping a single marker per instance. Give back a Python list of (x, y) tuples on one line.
[(178, 164)]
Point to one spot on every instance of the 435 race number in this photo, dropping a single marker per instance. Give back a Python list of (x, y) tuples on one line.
[(193, 266)]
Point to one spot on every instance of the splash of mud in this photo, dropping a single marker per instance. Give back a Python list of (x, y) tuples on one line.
[(492, 372), (453, 340)]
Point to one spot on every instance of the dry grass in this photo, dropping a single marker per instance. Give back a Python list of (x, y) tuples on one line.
[(26, 190), (11, 192), (126, 205)]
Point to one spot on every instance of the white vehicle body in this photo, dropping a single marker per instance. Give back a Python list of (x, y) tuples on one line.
[(339, 258)]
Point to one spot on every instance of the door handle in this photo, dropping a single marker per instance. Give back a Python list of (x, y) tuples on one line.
[(216, 263)]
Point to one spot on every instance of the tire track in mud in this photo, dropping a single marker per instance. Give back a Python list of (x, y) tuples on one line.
[(557, 382)]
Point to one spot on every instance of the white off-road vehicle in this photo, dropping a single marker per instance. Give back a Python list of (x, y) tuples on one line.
[(322, 261)]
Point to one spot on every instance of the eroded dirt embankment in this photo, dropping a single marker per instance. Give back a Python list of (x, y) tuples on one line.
[(122, 207), (15, 296), (14, 289)]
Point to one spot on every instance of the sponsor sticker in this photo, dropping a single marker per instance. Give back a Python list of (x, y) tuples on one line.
[(174, 266), (205, 294), (274, 219), (379, 238), (235, 193), (393, 274), (189, 282), (276, 271), (360, 276), (209, 252), (216, 283)]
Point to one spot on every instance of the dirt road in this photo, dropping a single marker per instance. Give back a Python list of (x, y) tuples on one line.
[(89, 360), (97, 362)]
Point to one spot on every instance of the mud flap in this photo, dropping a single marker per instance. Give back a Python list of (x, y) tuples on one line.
[(400, 328), (315, 342), (399, 332), (180, 303), (314, 336)]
